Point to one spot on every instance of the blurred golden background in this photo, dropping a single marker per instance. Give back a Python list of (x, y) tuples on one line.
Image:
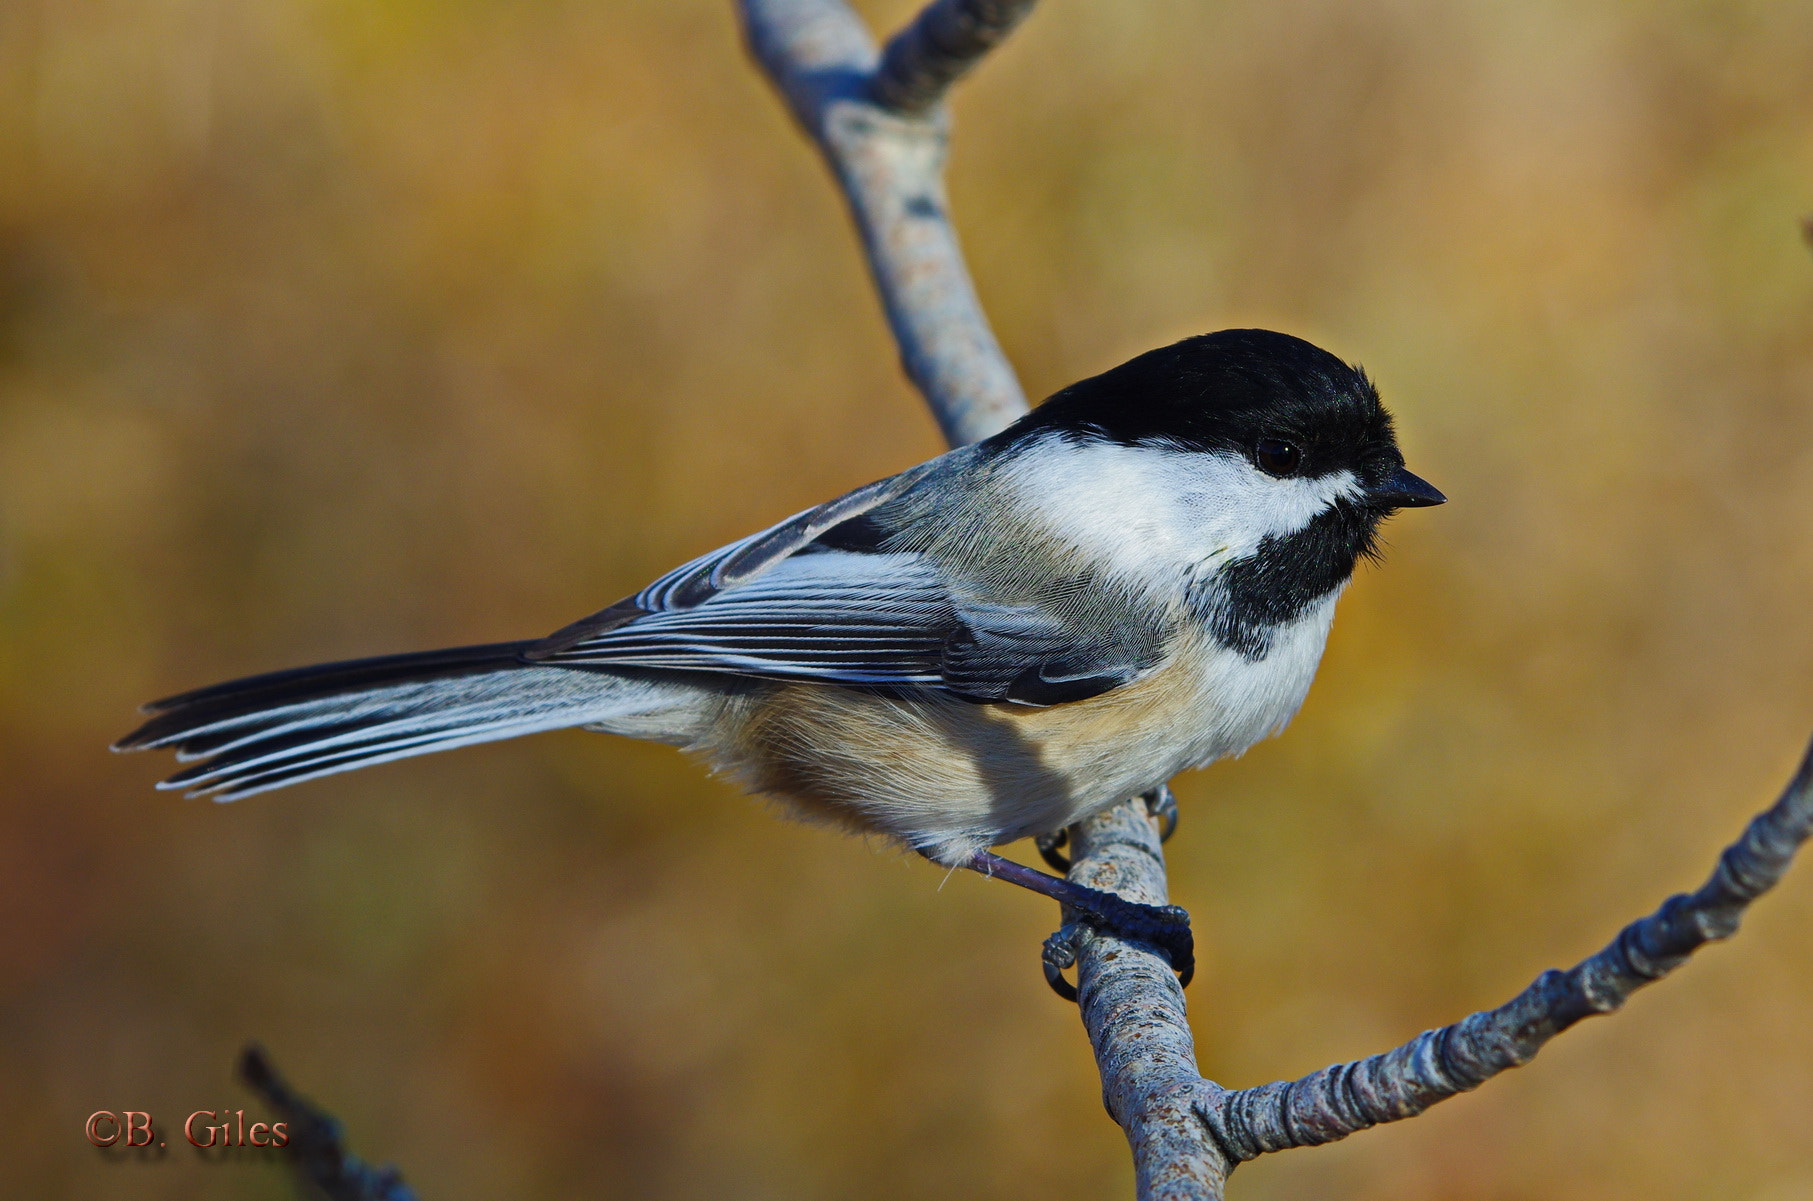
[(336, 328)]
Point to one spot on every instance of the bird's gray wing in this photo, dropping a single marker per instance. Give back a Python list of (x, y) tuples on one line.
[(835, 617), (822, 598), (692, 584), (875, 619), (1030, 655)]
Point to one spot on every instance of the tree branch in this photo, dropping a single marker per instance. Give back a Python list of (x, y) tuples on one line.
[(884, 138), (879, 123), (1133, 1009), (948, 38), (318, 1154), (1188, 1133), (889, 166)]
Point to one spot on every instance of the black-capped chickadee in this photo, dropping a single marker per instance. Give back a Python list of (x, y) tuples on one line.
[(1134, 579)]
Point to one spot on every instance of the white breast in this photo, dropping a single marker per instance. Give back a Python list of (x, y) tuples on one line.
[(1246, 700)]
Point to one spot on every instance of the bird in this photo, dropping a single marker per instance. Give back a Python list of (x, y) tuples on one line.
[(1134, 579)]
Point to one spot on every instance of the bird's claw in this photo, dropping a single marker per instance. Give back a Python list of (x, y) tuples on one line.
[(1166, 928), (1161, 803), (1058, 955)]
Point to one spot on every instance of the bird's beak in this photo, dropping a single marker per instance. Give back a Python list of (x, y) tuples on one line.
[(1402, 490)]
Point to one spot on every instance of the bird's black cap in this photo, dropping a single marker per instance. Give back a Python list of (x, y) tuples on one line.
[(1231, 390)]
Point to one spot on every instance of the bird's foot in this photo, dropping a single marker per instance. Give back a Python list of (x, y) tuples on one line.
[(1058, 956), (1165, 928), (1161, 805)]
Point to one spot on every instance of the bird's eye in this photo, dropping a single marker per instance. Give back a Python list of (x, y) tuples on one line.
[(1277, 457)]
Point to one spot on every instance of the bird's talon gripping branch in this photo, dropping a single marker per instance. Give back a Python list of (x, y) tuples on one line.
[(1166, 928), (1058, 956), (1050, 850), (1161, 804)]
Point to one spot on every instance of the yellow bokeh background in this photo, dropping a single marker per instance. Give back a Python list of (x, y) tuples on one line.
[(335, 328)]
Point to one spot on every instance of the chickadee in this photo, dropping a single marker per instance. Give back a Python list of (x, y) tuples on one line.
[(1134, 579)]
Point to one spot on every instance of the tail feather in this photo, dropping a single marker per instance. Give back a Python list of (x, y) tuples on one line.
[(264, 732), (244, 782), (238, 699)]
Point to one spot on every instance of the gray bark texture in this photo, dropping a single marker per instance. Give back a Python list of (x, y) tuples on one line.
[(880, 123)]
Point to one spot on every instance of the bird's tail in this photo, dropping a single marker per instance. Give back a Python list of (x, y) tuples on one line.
[(269, 731)]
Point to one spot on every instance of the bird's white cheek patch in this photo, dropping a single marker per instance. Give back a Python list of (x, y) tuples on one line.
[(1141, 508)]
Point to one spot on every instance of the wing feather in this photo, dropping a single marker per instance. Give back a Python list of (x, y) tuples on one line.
[(835, 617), (693, 583), (782, 604)]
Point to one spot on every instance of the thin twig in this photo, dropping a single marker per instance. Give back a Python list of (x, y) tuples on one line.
[(888, 164), (320, 1157), (949, 37)]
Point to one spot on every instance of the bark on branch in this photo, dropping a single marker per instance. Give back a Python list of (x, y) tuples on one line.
[(948, 38), (1188, 1133), (1133, 1009)]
